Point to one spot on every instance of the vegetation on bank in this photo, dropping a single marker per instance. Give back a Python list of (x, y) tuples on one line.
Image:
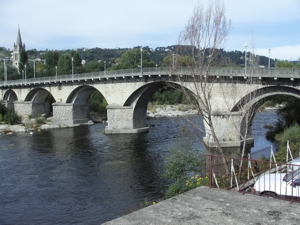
[(182, 163), (8, 116)]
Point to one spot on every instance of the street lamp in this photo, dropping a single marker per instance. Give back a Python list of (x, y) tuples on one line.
[(156, 67), (173, 60), (72, 69), (141, 60), (25, 73), (269, 62), (246, 58), (56, 72), (34, 69), (5, 71)]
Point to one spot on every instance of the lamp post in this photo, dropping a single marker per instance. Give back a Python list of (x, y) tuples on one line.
[(34, 69), (25, 73), (56, 72), (72, 69), (141, 60), (246, 58), (156, 67), (173, 60), (5, 71), (269, 62), (104, 68)]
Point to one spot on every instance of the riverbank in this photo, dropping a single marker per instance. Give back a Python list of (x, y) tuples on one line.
[(157, 111), (171, 111), (30, 125)]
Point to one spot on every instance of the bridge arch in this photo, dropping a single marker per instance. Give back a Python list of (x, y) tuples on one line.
[(76, 109), (41, 101), (9, 98), (134, 110), (253, 100)]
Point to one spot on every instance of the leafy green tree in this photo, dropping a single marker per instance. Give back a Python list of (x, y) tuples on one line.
[(23, 60), (12, 72), (78, 68), (288, 115), (132, 59), (97, 103), (298, 64), (52, 58), (64, 66), (40, 69), (94, 66), (284, 64), (177, 60)]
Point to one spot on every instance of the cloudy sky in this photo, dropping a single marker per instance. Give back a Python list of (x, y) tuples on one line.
[(70, 24)]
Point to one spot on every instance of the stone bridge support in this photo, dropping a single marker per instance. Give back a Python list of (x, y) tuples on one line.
[(70, 113), (228, 128), (29, 108), (120, 120)]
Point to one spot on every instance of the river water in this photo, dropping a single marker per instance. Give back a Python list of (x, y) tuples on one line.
[(81, 176)]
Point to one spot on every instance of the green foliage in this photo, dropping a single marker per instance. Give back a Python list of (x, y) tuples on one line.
[(40, 120), (132, 59), (181, 160), (284, 64), (169, 97), (23, 60), (2, 108), (288, 115), (290, 134), (78, 68), (94, 66), (176, 188), (64, 64), (97, 103), (11, 118), (52, 58)]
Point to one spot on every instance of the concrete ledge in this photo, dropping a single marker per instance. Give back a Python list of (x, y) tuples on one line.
[(215, 206), (126, 131)]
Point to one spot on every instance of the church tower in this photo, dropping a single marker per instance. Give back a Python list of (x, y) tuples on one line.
[(18, 46)]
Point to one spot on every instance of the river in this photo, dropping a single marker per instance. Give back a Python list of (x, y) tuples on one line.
[(81, 176)]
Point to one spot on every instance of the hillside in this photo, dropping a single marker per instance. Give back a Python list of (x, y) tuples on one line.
[(229, 58)]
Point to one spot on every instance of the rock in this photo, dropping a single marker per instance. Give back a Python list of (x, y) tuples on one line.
[(3, 127), (47, 126), (90, 122), (17, 128)]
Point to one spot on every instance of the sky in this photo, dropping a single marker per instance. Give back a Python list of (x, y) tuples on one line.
[(71, 24)]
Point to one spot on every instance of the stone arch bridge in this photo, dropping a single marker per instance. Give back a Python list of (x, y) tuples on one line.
[(128, 92)]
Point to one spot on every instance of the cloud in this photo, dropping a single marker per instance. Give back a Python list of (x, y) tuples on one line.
[(69, 24)]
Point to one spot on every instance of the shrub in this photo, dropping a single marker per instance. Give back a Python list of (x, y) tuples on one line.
[(2, 108), (40, 120), (11, 118)]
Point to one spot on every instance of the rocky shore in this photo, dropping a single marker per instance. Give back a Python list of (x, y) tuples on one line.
[(171, 111), (31, 125)]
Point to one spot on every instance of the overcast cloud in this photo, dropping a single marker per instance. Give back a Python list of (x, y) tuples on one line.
[(70, 24)]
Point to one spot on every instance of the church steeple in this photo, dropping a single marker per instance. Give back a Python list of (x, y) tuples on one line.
[(18, 46)]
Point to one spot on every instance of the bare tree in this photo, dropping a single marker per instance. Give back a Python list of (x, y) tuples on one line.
[(201, 39)]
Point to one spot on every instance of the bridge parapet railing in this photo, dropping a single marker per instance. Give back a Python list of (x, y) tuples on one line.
[(221, 71)]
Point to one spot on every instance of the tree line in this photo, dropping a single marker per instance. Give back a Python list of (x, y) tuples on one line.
[(54, 62)]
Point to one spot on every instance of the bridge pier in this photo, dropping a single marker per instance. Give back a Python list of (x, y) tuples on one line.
[(228, 128), (70, 113), (120, 120), (29, 108)]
